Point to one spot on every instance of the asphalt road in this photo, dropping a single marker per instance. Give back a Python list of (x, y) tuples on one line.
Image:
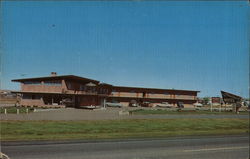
[(230, 147)]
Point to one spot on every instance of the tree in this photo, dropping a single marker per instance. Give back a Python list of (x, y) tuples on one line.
[(206, 100)]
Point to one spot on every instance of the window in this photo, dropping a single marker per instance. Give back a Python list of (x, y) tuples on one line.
[(27, 96), (53, 83), (103, 90), (69, 85), (106, 91), (32, 82), (36, 96), (31, 96), (82, 87), (90, 89)]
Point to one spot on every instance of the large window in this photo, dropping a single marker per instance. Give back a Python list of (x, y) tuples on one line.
[(69, 85), (31, 96), (90, 89), (82, 87), (104, 91), (27, 96), (32, 82), (53, 83)]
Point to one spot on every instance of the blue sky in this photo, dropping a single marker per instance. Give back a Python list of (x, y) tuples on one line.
[(182, 45)]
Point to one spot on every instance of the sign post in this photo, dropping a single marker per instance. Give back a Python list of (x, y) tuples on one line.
[(211, 106)]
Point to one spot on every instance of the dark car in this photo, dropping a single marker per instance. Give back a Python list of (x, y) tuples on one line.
[(67, 102), (180, 105), (146, 104)]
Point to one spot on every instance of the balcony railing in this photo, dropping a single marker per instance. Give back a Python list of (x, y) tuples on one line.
[(42, 88), (155, 96)]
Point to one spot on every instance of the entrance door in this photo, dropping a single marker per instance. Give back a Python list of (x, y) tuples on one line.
[(77, 102)]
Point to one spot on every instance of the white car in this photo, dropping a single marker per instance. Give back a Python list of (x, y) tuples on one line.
[(164, 105), (118, 105), (198, 104), (133, 103)]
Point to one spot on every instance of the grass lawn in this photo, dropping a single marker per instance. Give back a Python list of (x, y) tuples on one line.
[(193, 112), (110, 129)]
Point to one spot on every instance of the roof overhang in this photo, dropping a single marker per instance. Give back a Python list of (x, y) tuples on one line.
[(156, 89), (67, 77), (55, 93)]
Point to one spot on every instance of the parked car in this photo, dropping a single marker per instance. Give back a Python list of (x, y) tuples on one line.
[(67, 102), (180, 105), (114, 104), (164, 105), (246, 104), (90, 107), (198, 105), (147, 104), (133, 103)]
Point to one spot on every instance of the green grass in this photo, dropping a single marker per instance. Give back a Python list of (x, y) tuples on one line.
[(13, 110), (193, 112), (110, 129)]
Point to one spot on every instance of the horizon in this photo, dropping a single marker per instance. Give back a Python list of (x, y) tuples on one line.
[(199, 46)]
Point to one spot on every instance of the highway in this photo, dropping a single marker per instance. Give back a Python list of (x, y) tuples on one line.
[(217, 147)]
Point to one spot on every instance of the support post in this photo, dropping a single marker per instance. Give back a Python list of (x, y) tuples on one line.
[(104, 103), (211, 107), (17, 111), (5, 111), (234, 108)]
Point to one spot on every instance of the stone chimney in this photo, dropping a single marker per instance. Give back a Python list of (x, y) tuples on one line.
[(53, 74)]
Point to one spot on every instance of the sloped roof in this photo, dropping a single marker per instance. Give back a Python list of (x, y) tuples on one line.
[(229, 97)]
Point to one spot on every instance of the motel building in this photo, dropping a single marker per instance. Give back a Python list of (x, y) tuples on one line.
[(74, 91)]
